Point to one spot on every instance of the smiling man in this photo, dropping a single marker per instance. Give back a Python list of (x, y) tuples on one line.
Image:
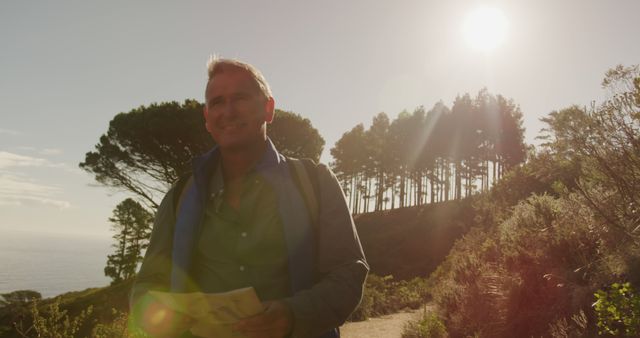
[(242, 220)]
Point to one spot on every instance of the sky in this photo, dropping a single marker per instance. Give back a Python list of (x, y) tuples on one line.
[(67, 67)]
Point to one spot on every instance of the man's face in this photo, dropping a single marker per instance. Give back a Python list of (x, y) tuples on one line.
[(236, 111)]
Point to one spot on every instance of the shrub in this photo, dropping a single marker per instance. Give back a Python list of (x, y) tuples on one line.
[(516, 279), (618, 310), (576, 327), (53, 322), (384, 295), (121, 326), (428, 326)]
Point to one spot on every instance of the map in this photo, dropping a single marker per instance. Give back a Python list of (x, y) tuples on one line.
[(215, 313)]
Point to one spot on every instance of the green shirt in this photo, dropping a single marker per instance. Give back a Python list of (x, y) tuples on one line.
[(244, 247)]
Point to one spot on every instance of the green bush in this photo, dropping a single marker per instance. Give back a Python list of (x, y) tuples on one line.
[(514, 280), (120, 326), (384, 295), (428, 326), (53, 322), (618, 310)]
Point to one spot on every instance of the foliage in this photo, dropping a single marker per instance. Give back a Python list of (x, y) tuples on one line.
[(428, 326), (119, 327), (148, 148), (295, 136), (430, 156), (531, 265), (564, 328), (18, 317), (54, 322), (618, 310), (518, 184), (132, 224), (517, 278), (603, 142), (19, 296), (384, 295)]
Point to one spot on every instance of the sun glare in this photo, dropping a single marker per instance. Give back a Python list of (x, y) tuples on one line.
[(485, 28)]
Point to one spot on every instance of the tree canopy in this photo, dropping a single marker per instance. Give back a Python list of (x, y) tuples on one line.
[(295, 136), (132, 225), (430, 156), (148, 148)]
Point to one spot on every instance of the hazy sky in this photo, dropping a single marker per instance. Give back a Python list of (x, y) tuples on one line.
[(67, 67)]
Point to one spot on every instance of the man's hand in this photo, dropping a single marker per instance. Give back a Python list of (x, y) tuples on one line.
[(160, 321), (275, 322)]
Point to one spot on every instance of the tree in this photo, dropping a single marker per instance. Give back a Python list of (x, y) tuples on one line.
[(510, 147), (378, 158), (294, 136), (132, 224), (603, 144), (349, 159), (147, 149), (430, 155)]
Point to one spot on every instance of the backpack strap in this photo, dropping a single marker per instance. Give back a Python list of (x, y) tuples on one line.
[(305, 175), (181, 186)]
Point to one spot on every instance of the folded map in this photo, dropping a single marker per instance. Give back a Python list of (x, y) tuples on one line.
[(214, 312)]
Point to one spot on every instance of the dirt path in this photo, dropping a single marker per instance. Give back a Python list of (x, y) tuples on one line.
[(389, 326)]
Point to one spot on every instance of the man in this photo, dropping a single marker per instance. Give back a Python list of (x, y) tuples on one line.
[(242, 221)]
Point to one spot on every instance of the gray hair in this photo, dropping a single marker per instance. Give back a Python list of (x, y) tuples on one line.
[(217, 65)]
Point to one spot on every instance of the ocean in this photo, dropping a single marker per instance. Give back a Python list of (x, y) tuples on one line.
[(50, 263)]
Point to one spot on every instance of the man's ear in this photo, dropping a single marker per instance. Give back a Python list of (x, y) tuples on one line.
[(270, 107)]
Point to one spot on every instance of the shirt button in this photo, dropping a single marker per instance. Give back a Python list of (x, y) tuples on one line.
[(241, 267), (244, 234), (216, 193)]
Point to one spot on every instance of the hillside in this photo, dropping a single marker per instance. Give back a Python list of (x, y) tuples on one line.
[(410, 242), (405, 243)]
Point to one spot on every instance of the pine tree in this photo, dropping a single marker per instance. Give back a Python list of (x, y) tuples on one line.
[(132, 224)]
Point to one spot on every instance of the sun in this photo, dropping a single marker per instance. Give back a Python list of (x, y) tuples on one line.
[(485, 28)]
